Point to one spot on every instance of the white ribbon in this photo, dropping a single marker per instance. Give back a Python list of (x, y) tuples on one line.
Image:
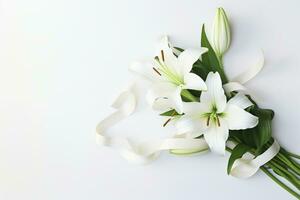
[(141, 153), (247, 167), (237, 82)]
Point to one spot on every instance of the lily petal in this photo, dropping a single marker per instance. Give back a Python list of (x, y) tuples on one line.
[(192, 121), (176, 100), (161, 104), (165, 55), (191, 125), (195, 108), (216, 137), (215, 93), (241, 101), (144, 69), (194, 82), (165, 95), (171, 61), (188, 57), (163, 44), (238, 118), (158, 94)]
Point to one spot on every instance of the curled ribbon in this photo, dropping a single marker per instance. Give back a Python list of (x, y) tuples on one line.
[(142, 153), (236, 84), (247, 167)]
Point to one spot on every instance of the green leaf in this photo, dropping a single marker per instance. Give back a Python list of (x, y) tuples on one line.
[(170, 113), (258, 136), (200, 69), (236, 153), (195, 93), (244, 136), (264, 128), (210, 58)]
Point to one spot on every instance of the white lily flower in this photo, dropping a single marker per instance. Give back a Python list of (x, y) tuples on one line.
[(220, 33), (170, 75), (213, 116)]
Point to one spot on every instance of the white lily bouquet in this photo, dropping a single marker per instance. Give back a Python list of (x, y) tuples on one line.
[(210, 112)]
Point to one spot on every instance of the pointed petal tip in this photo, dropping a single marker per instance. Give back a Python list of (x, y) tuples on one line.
[(194, 82)]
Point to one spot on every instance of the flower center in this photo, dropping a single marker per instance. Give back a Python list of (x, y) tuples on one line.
[(213, 116), (166, 71)]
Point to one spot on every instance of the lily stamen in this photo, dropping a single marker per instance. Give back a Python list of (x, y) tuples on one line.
[(218, 121), (165, 124), (156, 71), (162, 55), (207, 122), (173, 113)]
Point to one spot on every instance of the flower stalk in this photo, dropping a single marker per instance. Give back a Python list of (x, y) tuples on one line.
[(280, 183), (280, 165), (186, 94)]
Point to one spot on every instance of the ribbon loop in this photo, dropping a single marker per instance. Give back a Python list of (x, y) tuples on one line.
[(236, 84), (247, 167), (138, 153), (251, 72)]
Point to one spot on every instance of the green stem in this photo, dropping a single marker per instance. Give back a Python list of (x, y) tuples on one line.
[(222, 72), (284, 157), (274, 168), (276, 180), (289, 163), (285, 173), (297, 165), (185, 93), (292, 155), (290, 158)]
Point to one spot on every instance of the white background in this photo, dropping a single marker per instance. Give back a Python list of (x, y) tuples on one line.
[(63, 62)]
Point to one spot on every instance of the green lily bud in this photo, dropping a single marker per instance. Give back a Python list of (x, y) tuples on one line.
[(220, 33)]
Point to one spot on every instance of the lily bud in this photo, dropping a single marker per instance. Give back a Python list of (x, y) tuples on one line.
[(220, 33)]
